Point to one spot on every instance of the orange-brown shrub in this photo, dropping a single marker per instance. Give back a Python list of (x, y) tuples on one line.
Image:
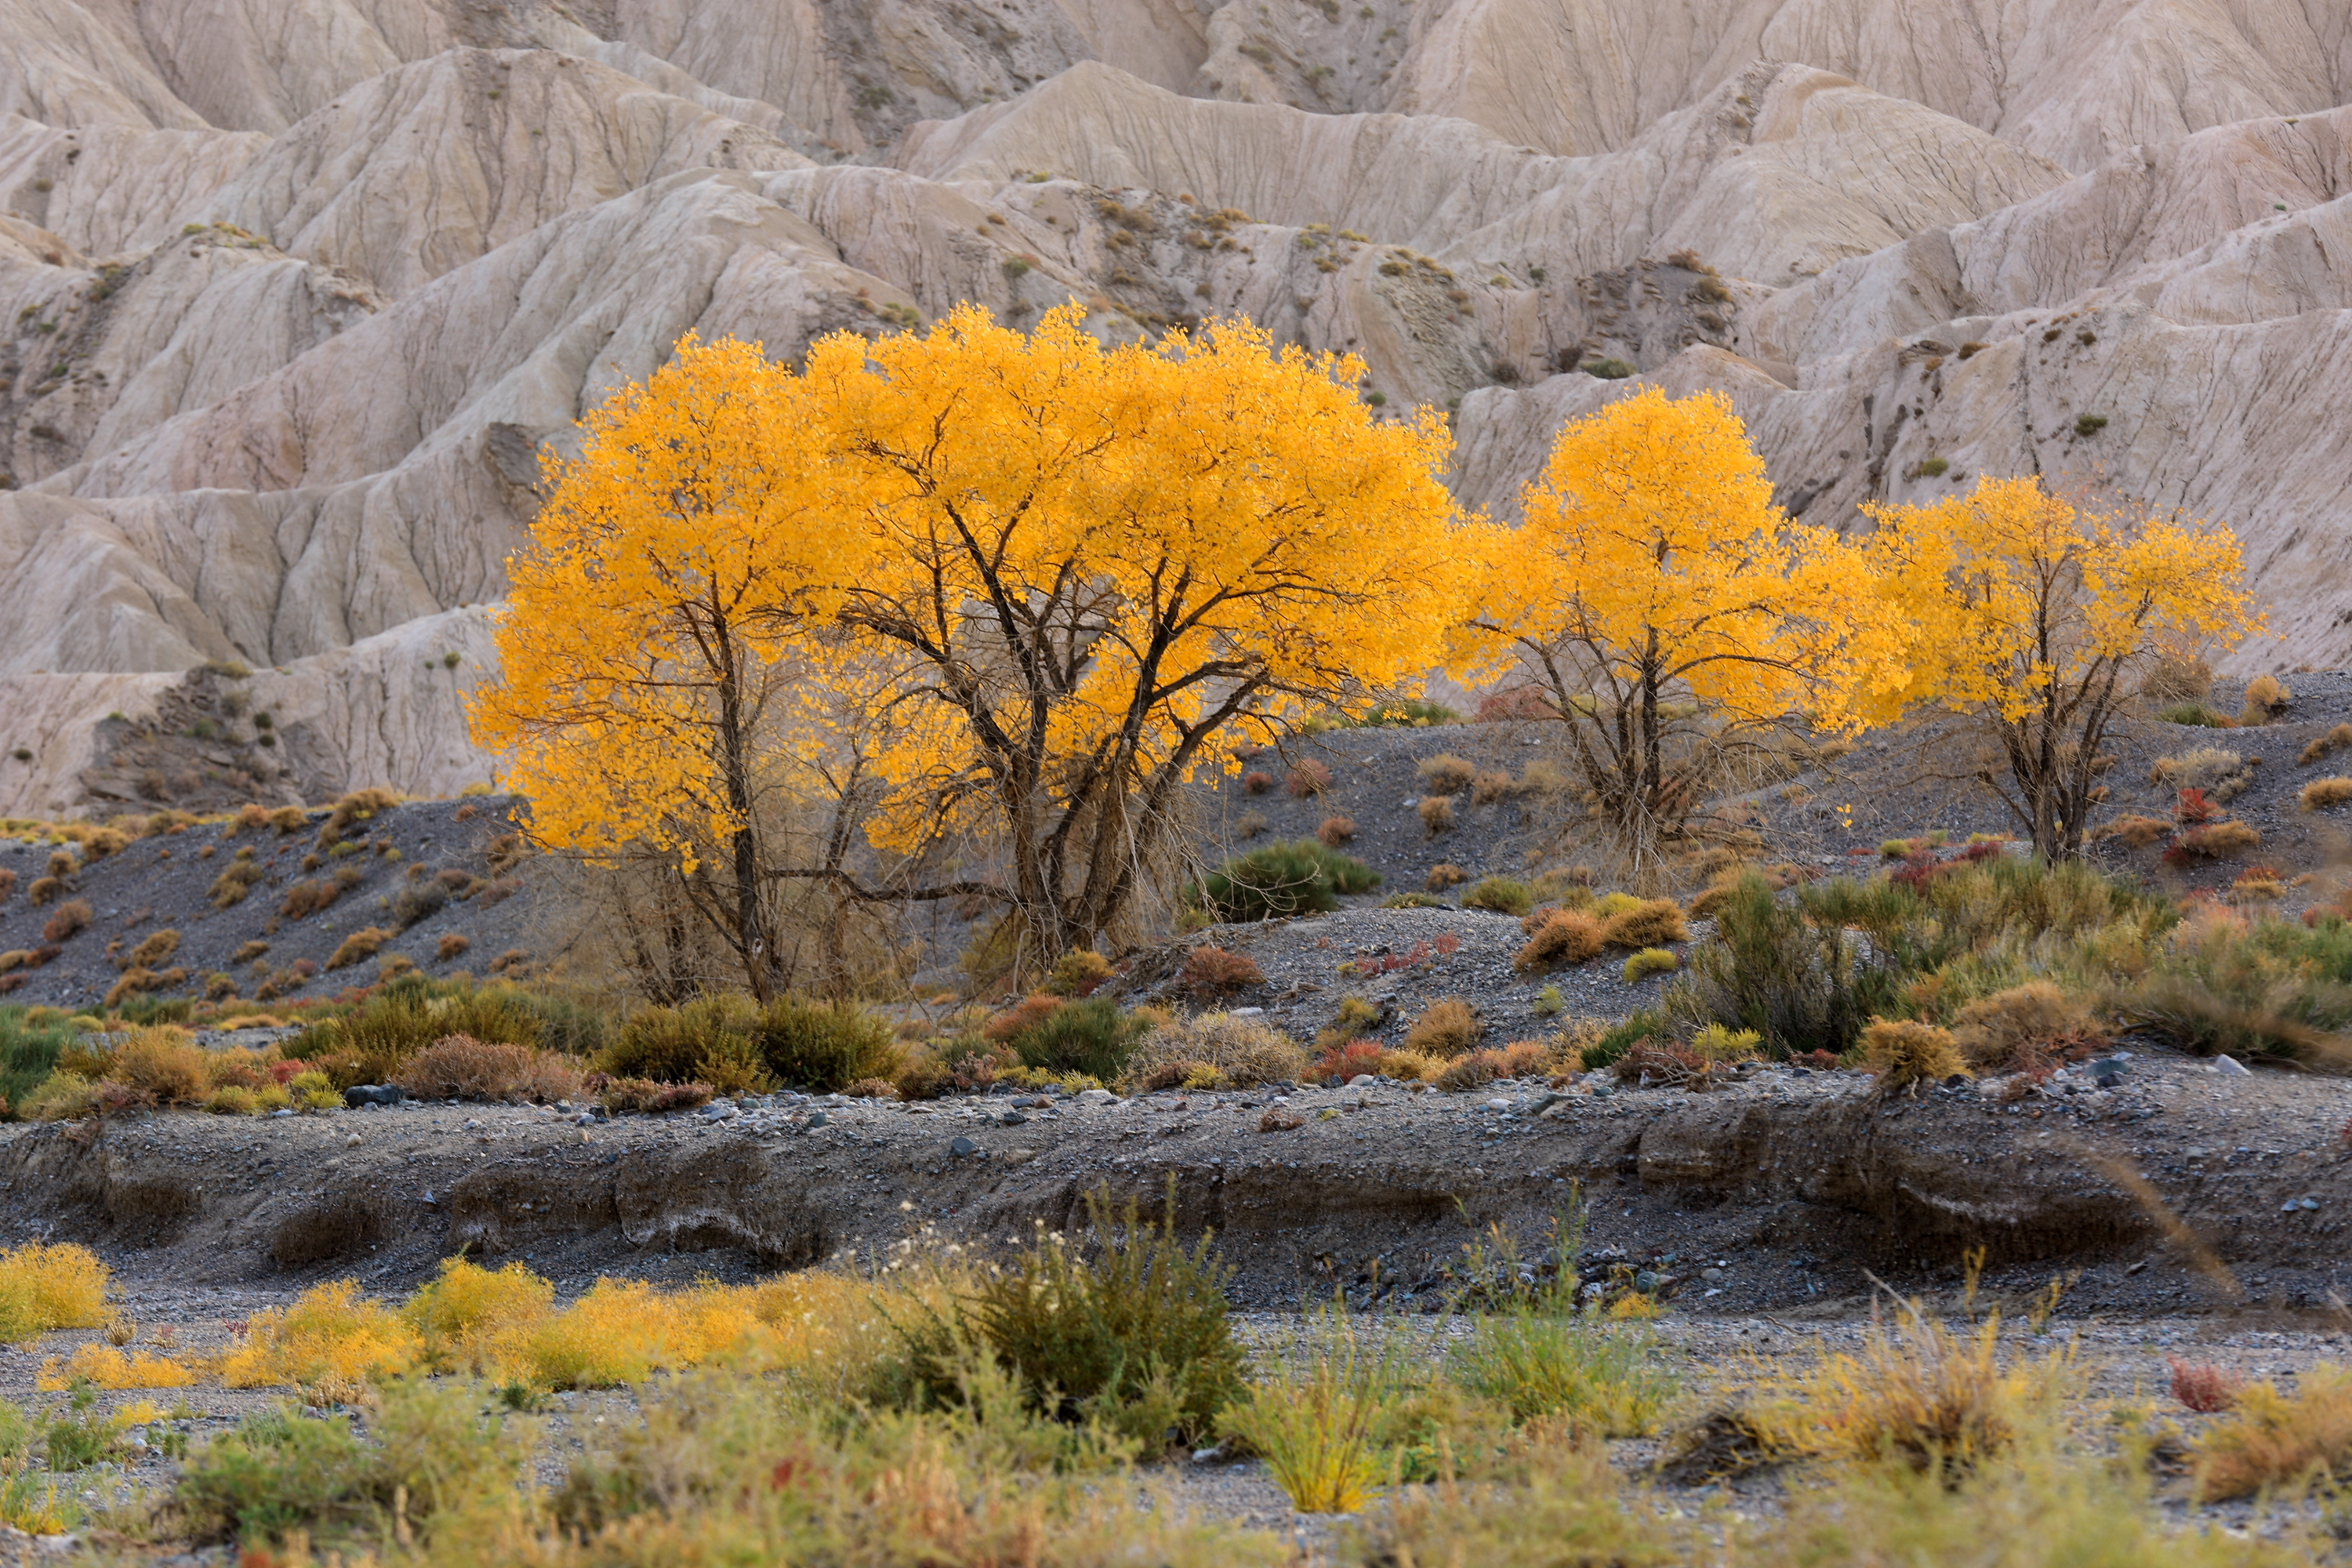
[(1567, 937), (1308, 777), (1652, 923), (1446, 1028), (459, 1066), (1490, 786), (2336, 740), (360, 945), (1521, 1058), (46, 891), (68, 919), (7, 884), (1022, 1017), (137, 982), (1905, 1054), (2028, 1026), (2214, 841), (2204, 1387), (1257, 782), (452, 945), (2136, 832), (1336, 831), (152, 949), (649, 1097), (1443, 874), (306, 898), (1217, 971), (2321, 794), (1436, 814), (1445, 774)]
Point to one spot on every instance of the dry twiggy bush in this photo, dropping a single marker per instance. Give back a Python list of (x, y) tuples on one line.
[(1436, 813), (462, 1068), (1564, 937), (1906, 1055), (2204, 1387), (2024, 1027), (1446, 1028), (1445, 774), (2321, 794)]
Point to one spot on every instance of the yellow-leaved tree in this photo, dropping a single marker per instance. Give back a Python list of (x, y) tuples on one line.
[(1024, 584), (2038, 619), (1672, 617)]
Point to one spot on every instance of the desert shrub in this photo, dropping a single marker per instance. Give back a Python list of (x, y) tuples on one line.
[(1218, 972), (368, 1044), (66, 920), (45, 1287), (233, 1099), (1308, 777), (126, 991), (1567, 937), (2263, 987), (1132, 1330), (1335, 831), (826, 1044), (1257, 782), (1490, 786), (1905, 1054), (1445, 774), (1276, 880), (2023, 1026), (1250, 824), (1078, 972), (1500, 894), (105, 1366), (2321, 794), (478, 1319), (1414, 901), (1237, 1053), (1650, 961), (304, 899), (2273, 1439), (236, 880), (29, 1048), (1521, 1058), (417, 900), (643, 1096), (1443, 874), (359, 946), (2204, 1387), (63, 1096), (2193, 715), (2220, 774), (434, 1458), (1090, 1037), (152, 949), (2335, 739), (1609, 369), (453, 944), (462, 1068), (1596, 1382), (1720, 1045), (2267, 698), (668, 1044), (43, 891), (1446, 1028), (1318, 1419), (359, 806), (2137, 832), (2211, 841), (1022, 1017), (330, 1342), (160, 1063), (1436, 813), (1650, 923)]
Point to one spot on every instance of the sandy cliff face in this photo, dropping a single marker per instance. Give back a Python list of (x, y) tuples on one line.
[(292, 296)]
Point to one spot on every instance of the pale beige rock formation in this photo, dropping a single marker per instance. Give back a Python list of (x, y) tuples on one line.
[(294, 293)]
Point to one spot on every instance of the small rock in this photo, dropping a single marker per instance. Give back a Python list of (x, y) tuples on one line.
[(964, 1146), (1097, 1097), (353, 1141), (2230, 1067), (1011, 1119), (720, 1111), (1498, 1105), (2308, 1203), (372, 1094), (817, 1119), (1363, 1080), (1246, 1013)]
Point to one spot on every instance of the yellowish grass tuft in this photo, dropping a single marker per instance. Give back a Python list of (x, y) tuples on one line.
[(44, 1288), (2321, 794), (103, 1366), (331, 1340), (2275, 1440), (1906, 1055)]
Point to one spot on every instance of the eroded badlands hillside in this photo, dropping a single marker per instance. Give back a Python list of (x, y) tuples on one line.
[(293, 293)]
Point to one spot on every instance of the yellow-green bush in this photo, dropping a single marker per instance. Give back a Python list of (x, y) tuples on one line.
[(331, 1340), (44, 1288)]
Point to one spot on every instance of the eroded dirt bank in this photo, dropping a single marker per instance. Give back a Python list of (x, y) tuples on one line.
[(2181, 1188)]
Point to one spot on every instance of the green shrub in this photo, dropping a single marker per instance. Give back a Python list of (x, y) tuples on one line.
[(826, 1045), (29, 1054), (2193, 714), (1414, 901), (668, 1045), (369, 1044), (1132, 1330), (1301, 877), (1609, 369), (1599, 1383), (142, 1011), (1500, 894), (2269, 987), (1614, 1042), (1090, 1037)]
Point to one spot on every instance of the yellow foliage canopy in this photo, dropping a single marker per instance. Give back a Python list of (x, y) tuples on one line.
[(2033, 615), (1027, 580), (1653, 576)]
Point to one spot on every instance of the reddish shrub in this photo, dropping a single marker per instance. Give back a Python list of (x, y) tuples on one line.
[(1346, 1061), (1654, 1060), (65, 921), (652, 1099), (8, 885), (1022, 1017), (1257, 782), (2204, 1387), (2192, 808), (1309, 777), (1216, 971), (2212, 842), (1336, 831), (1512, 703)]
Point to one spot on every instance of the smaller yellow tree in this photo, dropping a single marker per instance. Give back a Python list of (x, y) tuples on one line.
[(1671, 615), (2037, 619)]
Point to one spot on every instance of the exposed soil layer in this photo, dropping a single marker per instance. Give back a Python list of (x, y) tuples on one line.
[(2184, 1188)]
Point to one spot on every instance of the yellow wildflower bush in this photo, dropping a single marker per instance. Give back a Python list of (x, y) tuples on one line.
[(331, 1340), (103, 1366), (44, 1288)]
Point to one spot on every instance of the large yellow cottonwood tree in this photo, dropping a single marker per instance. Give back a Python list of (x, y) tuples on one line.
[(2036, 618), (1671, 615), (1032, 583)]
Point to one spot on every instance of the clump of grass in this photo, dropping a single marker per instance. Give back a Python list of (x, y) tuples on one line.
[(66, 922), (330, 1341), (1278, 880), (1077, 973), (463, 1068), (2024, 1027), (1445, 774), (1648, 962), (1504, 895), (1436, 814), (2335, 739), (1092, 1036), (1335, 831), (359, 946), (44, 1288), (1590, 1380), (1905, 1054), (1645, 923), (2274, 1440), (2267, 698), (2321, 794), (1229, 1052), (1566, 937), (1443, 874), (1446, 1028), (1476, 1069), (1316, 1421)]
